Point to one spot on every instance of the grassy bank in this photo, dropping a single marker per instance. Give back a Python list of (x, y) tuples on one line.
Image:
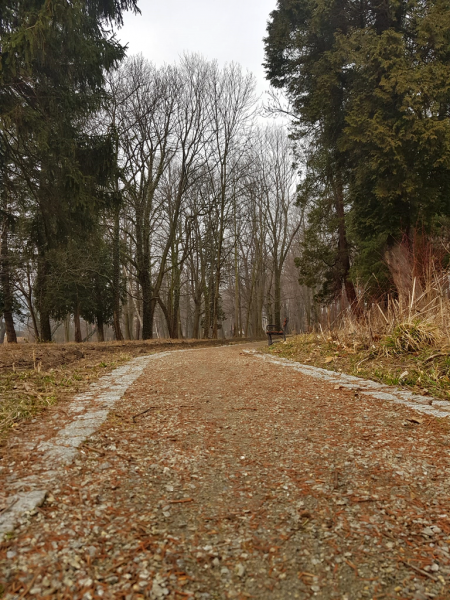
[(410, 357)]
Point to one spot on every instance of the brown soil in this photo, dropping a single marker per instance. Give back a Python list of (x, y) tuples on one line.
[(243, 479)]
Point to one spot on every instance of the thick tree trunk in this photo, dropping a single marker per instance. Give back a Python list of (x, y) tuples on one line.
[(67, 329), (128, 325), (173, 304), (33, 318), (197, 314), (148, 305), (343, 246), (46, 329), (5, 277), (100, 328)]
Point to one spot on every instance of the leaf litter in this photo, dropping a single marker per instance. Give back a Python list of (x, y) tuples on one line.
[(314, 494)]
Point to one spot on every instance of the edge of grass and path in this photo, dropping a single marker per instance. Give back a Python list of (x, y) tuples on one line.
[(36, 376), (407, 357)]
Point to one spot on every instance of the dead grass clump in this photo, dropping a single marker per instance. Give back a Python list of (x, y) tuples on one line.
[(401, 341), (413, 336), (27, 392)]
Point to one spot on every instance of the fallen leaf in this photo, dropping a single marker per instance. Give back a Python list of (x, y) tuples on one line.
[(329, 359), (415, 420)]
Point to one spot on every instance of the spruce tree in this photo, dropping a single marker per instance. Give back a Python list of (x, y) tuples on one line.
[(369, 84), (53, 61)]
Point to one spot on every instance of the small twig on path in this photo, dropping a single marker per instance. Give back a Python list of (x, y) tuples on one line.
[(181, 501), (119, 564), (354, 567), (28, 588), (143, 413), (245, 408), (417, 570), (9, 506)]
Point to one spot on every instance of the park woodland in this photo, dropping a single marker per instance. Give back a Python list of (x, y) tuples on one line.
[(142, 201)]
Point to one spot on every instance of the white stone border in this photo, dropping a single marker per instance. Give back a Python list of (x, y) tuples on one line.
[(94, 406), (365, 386)]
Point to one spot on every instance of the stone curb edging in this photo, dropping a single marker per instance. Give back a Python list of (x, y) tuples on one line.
[(366, 387), (88, 410)]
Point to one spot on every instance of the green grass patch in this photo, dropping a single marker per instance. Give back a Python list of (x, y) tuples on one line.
[(26, 393)]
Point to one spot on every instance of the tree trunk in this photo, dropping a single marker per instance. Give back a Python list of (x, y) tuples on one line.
[(67, 329), (137, 305), (100, 328), (5, 277), (128, 324), (41, 299), (148, 306), (197, 313), (207, 314), (343, 247), (77, 322), (277, 297), (116, 277)]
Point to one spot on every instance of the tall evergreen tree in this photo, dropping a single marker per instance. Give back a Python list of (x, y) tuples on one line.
[(53, 61), (369, 86), (300, 58)]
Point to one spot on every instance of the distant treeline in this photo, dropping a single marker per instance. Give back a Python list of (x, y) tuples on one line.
[(156, 201)]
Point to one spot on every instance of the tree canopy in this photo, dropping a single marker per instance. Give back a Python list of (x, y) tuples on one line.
[(369, 86)]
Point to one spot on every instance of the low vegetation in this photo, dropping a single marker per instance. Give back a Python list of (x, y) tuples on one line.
[(398, 343)]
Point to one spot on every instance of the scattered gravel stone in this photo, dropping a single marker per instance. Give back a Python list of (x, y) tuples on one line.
[(205, 497)]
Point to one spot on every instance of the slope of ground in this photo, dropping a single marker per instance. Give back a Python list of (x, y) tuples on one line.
[(426, 371)]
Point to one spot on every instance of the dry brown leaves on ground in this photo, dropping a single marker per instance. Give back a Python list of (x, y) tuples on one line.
[(36, 376), (222, 476)]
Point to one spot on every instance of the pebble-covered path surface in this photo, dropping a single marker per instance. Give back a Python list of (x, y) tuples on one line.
[(221, 475)]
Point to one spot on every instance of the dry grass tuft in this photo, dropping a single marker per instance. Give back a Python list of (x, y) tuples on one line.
[(25, 393), (409, 337), (400, 342)]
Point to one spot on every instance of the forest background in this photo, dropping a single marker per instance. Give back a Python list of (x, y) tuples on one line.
[(151, 201)]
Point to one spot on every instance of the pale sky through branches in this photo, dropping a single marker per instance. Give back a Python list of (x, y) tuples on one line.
[(226, 31)]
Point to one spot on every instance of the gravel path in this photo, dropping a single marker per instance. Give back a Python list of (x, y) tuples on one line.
[(221, 475)]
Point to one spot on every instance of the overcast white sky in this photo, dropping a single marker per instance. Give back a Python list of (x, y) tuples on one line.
[(230, 30)]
